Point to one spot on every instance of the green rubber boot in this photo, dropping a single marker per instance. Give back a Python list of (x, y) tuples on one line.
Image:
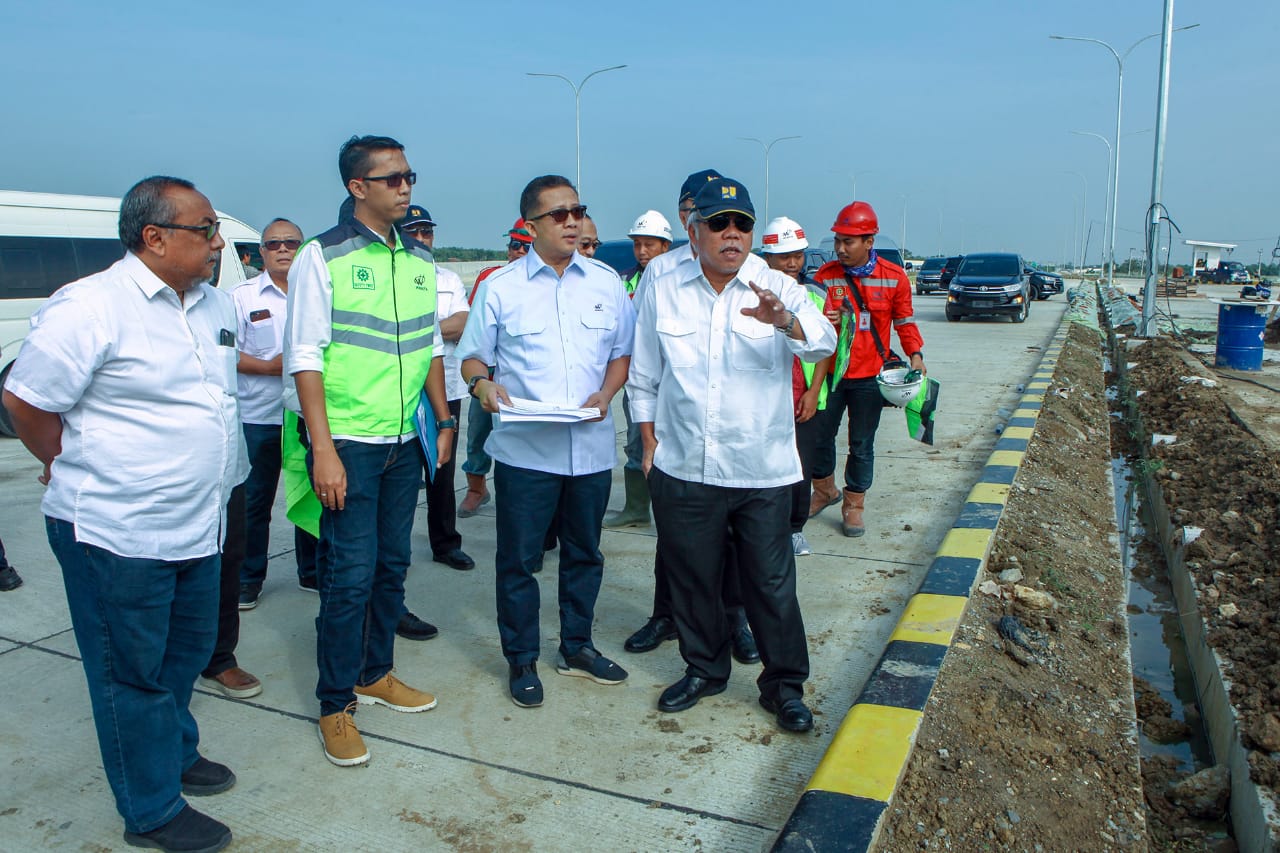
[(635, 513)]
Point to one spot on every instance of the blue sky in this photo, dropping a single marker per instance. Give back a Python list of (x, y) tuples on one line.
[(963, 108)]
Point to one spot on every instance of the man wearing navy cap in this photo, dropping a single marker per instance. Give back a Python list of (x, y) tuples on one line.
[(710, 334)]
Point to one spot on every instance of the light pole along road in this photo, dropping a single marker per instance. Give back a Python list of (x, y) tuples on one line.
[(767, 148), (577, 116), (1107, 251)]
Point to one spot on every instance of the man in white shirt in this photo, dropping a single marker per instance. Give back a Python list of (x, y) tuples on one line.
[(126, 391), (710, 386), (558, 328)]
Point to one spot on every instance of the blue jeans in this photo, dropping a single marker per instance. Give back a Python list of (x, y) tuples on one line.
[(145, 629), (263, 441), (529, 502), (479, 425), (363, 557)]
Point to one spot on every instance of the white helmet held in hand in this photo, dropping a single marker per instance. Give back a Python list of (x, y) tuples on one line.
[(651, 224), (898, 383), (783, 235)]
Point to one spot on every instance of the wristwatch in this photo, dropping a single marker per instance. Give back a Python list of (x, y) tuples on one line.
[(447, 423), (791, 324), (473, 381)]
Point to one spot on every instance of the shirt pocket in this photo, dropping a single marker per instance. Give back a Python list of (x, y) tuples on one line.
[(260, 338), (677, 340), (598, 326), (752, 344), (525, 335)]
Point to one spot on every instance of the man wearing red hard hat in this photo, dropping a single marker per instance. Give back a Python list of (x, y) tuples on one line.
[(866, 297)]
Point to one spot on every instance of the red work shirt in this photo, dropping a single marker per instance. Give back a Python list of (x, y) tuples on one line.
[(887, 295)]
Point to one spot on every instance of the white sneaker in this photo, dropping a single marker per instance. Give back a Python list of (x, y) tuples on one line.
[(800, 545)]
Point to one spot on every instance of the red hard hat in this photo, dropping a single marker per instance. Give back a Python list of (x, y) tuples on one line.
[(856, 220)]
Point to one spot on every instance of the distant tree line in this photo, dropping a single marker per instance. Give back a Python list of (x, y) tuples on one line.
[(457, 253)]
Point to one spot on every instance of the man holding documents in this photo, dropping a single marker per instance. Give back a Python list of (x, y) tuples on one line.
[(558, 328)]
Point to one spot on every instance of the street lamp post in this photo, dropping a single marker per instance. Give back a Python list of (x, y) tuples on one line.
[(577, 115), (1084, 207), (1107, 252), (1115, 154), (767, 148)]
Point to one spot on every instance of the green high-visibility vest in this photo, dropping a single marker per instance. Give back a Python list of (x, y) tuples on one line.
[(809, 366)]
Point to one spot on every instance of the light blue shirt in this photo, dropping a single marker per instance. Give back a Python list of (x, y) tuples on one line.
[(551, 339)]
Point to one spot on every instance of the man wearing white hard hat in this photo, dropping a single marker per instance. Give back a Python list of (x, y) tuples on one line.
[(783, 244), (650, 237)]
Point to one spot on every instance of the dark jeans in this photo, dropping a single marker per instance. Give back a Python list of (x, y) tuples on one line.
[(479, 425), (809, 435), (861, 397), (691, 520), (442, 503), (635, 443), (529, 502), (144, 628), (4, 563), (263, 441), (363, 556), (230, 562)]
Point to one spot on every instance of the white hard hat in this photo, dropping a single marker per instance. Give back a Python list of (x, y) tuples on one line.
[(899, 385), (651, 224), (783, 235)]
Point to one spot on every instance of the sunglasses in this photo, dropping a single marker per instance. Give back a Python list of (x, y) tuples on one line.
[(517, 246), (721, 221), (425, 230), (277, 245), (560, 214), (591, 244), (393, 181), (209, 231)]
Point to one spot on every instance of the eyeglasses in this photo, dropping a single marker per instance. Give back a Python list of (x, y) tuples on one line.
[(560, 214), (209, 231), (517, 246), (424, 230), (277, 245), (590, 244), (393, 181), (721, 221)]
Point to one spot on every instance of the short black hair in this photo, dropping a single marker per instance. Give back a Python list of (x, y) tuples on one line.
[(353, 157), (147, 203), (534, 188)]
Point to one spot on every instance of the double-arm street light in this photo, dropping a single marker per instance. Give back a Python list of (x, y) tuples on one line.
[(1107, 213), (1115, 154), (767, 146), (1084, 207), (577, 115)]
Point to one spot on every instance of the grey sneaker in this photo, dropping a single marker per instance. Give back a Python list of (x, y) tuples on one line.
[(800, 545)]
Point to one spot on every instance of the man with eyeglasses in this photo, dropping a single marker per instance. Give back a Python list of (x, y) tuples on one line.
[(711, 334), (126, 391), (558, 329), (361, 344), (588, 237)]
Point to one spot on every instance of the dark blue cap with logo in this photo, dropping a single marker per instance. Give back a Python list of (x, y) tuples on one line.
[(695, 182), (416, 213), (723, 196)]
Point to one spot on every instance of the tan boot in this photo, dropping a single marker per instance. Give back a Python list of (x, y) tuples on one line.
[(477, 496), (341, 740), (825, 494), (851, 512)]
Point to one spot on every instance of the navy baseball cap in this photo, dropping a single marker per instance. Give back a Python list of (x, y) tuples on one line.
[(723, 196), (416, 213), (694, 182)]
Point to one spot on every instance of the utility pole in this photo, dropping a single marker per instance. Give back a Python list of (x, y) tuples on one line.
[(1154, 211)]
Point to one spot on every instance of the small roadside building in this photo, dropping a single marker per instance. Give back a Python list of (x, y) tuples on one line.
[(1206, 255)]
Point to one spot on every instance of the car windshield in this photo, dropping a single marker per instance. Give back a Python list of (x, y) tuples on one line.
[(933, 264), (990, 265)]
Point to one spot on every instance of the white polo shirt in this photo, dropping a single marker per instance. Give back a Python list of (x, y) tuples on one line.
[(145, 383), (261, 308), (451, 299), (716, 383), (551, 338)]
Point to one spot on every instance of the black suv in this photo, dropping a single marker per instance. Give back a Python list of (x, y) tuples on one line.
[(949, 270), (1043, 283), (929, 277), (990, 283)]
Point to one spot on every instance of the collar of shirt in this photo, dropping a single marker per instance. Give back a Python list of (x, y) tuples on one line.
[(691, 270), (265, 281), (152, 285), (394, 243), (533, 265)]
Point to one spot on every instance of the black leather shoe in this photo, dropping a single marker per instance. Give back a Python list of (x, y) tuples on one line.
[(206, 777), (190, 832), (686, 692), (655, 632), (456, 559), (744, 645), (791, 715), (413, 628), (9, 579)]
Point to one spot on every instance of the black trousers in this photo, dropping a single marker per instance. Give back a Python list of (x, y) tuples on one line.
[(809, 436), (730, 592), (692, 519), (442, 502), (233, 549), (861, 398)]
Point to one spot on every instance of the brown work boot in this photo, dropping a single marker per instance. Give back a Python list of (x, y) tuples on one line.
[(851, 512), (477, 496), (395, 694), (341, 740), (825, 494)]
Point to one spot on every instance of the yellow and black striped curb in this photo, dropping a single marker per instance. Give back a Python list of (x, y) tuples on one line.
[(845, 801)]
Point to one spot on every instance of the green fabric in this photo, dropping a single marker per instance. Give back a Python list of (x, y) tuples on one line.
[(300, 498), (809, 366), (920, 411)]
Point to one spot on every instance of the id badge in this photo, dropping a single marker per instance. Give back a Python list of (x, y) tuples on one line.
[(864, 321)]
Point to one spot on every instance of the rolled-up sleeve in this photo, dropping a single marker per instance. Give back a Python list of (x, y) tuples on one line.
[(646, 360), (309, 326)]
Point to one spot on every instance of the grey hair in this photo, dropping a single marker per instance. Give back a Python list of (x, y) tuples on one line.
[(147, 203), (266, 227)]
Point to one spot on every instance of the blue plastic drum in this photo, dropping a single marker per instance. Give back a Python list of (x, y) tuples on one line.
[(1240, 330)]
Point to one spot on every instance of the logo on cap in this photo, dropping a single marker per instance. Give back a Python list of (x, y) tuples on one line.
[(728, 191)]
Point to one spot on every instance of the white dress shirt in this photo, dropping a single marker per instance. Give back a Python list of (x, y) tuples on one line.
[(660, 266), (551, 338), (261, 308), (146, 387), (716, 383), (451, 299)]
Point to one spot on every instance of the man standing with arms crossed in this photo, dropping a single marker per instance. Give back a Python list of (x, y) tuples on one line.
[(361, 344)]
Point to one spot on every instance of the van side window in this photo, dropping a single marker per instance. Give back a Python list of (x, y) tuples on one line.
[(95, 255), (34, 267)]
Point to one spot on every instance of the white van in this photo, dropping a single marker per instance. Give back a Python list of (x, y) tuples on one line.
[(48, 240)]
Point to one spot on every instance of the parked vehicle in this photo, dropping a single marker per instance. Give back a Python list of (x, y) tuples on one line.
[(1043, 283), (929, 277), (48, 240), (814, 259), (949, 269), (990, 283), (1227, 272), (619, 254)]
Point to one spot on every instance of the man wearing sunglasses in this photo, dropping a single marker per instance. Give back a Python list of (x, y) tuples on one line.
[(558, 328), (361, 344), (710, 335), (588, 237)]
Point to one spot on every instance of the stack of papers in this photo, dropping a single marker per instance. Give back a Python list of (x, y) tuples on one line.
[(522, 410)]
